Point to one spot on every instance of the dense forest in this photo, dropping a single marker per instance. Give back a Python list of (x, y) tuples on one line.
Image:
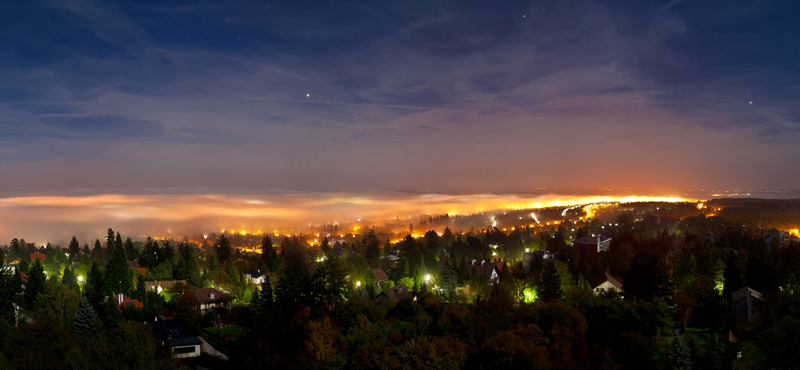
[(317, 307)]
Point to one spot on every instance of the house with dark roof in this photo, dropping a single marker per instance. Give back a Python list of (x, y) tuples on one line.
[(488, 269), (592, 244), (380, 275), (396, 293), (747, 303), (609, 283), (181, 339), (255, 276), (212, 298), (783, 238)]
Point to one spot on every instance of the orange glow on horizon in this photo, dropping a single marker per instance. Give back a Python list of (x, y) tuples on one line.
[(53, 218)]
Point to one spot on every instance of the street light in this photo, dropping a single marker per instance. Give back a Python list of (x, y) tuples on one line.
[(358, 283)]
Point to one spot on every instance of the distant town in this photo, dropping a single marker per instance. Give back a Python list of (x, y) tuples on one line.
[(657, 284)]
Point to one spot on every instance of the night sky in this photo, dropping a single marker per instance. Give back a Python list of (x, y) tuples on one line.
[(445, 97)]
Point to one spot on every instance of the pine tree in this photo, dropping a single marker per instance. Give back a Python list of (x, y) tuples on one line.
[(372, 244), (551, 283), (141, 287), (85, 318), (715, 352), (94, 285), (223, 248), (268, 254), (680, 357), (292, 292), (97, 251), (131, 252), (69, 279), (448, 278), (117, 277), (387, 248), (74, 247), (35, 285)]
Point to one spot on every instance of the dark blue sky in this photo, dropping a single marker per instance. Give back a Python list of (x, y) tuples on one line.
[(423, 96)]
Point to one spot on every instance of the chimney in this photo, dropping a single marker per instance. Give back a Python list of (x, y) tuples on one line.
[(119, 299), (211, 295)]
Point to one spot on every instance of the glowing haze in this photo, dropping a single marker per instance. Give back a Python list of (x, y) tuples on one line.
[(57, 218)]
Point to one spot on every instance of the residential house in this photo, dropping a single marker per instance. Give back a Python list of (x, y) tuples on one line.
[(783, 238), (488, 269), (396, 293), (592, 244), (747, 303), (212, 298), (609, 283), (528, 258), (255, 276), (182, 339), (380, 275), (125, 301)]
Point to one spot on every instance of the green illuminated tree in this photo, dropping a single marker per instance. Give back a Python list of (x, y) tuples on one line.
[(69, 279)]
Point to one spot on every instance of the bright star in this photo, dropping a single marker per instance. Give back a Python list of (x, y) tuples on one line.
[(751, 103), (308, 95)]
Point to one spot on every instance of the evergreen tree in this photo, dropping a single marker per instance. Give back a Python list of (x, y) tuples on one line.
[(292, 292), (187, 269), (97, 251), (551, 283), (372, 245), (35, 285), (327, 283), (167, 253), (448, 278), (74, 247), (680, 357), (131, 252), (268, 254), (85, 318), (262, 301), (118, 241), (223, 249), (325, 247), (117, 278), (110, 242), (715, 353), (212, 261), (14, 250), (94, 285), (387, 248), (69, 279), (149, 255), (141, 288)]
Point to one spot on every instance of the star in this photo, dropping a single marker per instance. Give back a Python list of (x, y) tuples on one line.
[(309, 95), (523, 16), (751, 103)]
